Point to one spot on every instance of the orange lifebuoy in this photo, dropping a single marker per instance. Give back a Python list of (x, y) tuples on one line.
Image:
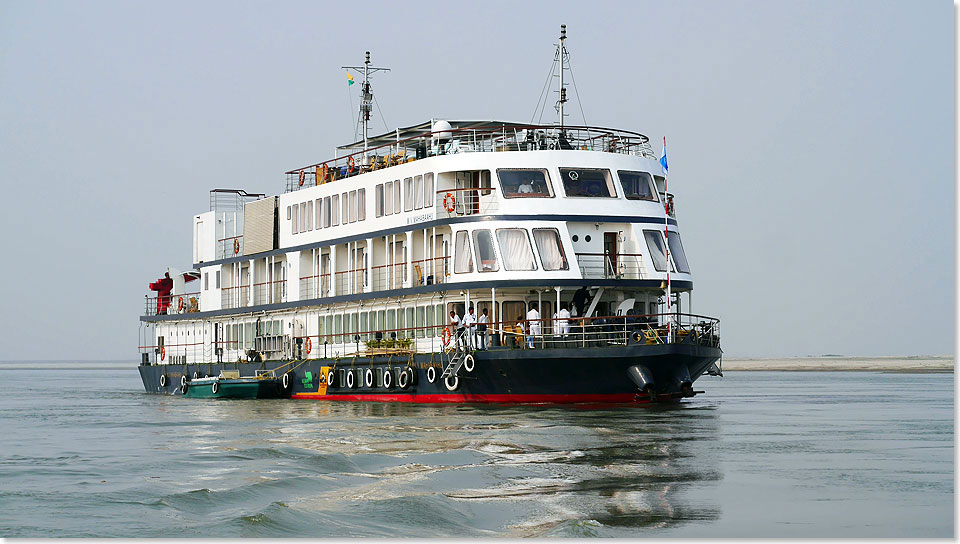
[(180, 304), (446, 336), (163, 353), (669, 206), (236, 246), (307, 345), (326, 173), (351, 164), (452, 204), (302, 177)]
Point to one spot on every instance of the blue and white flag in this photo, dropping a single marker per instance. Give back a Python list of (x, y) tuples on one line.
[(663, 157)]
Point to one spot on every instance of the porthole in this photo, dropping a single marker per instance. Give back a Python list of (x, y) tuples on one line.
[(586, 238), (576, 238)]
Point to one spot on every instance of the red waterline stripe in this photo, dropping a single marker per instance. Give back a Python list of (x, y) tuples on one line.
[(618, 398)]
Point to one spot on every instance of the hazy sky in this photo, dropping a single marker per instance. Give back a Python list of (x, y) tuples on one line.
[(811, 144)]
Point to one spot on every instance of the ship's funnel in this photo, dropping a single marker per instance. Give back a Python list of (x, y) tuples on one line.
[(641, 376)]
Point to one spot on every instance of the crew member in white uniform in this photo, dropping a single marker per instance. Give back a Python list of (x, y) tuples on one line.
[(470, 323), (456, 326), (533, 317), (563, 323), (482, 328)]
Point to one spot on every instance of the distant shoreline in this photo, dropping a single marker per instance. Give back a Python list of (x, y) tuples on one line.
[(913, 364)]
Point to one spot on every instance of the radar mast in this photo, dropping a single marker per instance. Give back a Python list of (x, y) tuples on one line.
[(366, 97)]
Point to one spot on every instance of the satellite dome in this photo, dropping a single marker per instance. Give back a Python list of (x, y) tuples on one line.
[(441, 127)]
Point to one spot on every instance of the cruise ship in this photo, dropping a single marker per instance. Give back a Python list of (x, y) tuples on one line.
[(451, 261)]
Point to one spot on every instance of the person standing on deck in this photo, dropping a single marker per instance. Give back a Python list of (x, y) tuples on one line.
[(470, 324), (457, 327), (163, 286), (563, 323), (482, 329), (533, 317)]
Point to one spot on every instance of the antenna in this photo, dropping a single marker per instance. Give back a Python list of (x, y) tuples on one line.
[(366, 97), (562, 57)]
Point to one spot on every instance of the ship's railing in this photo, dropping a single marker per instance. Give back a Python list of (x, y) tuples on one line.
[(471, 140), (231, 246), (171, 304), (619, 266), (460, 202)]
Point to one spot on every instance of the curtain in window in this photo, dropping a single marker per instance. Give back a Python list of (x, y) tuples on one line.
[(464, 260), (656, 248), (515, 249), (483, 242), (551, 252)]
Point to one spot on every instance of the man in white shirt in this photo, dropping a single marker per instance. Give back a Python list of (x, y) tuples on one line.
[(482, 329), (470, 323), (563, 323), (456, 326), (533, 317)]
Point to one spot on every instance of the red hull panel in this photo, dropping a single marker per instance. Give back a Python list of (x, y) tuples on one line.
[(623, 398)]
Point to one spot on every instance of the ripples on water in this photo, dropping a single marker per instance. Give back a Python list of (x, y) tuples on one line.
[(87, 453)]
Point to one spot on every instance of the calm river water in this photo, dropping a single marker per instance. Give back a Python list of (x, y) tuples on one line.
[(86, 453)]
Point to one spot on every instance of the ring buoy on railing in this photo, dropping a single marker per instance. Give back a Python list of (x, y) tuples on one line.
[(387, 378), (449, 202), (325, 173), (163, 353), (163, 380), (351, 164), (431, 374), (180, 304), (368, 378), (307, 345), (302, 177), (445, 337), (236, 246)]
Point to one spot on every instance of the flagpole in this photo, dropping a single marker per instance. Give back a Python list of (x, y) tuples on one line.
[(666, 239)]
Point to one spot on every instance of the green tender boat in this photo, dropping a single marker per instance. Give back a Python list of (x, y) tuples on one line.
[(233, 388)]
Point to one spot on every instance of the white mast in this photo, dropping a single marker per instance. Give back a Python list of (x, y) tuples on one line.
[(561, 58), (366, 98)]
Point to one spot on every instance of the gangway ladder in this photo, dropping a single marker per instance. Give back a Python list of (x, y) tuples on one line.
[(453, 366)]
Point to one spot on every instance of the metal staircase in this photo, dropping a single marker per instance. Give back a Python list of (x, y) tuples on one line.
[(456, 361)]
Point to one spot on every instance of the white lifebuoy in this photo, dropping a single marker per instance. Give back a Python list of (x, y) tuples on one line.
[(285, 381), (163, 380), (431, 374), (350, 382), (402, 380), (387, 378), (215, 388), (183, 381), (469, 363), (330, 377), (451, 383), (368, 378)]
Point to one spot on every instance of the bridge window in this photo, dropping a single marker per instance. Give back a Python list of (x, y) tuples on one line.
[(407, 194), (388, 198), (319, 207), (594, 183), (676, 251), (327, 215), (362, 204), (657, 249), (428, 196), (486, 256), (378, 200), (525, 183), (637, 185), (309, 215), (516, 250), (418, 192), (464, 260), (295, 222), (335, 210), (550, 248)]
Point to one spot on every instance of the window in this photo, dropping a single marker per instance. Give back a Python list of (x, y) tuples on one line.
[(483, 242), (206, 281), (335, 210), (396, 196), (428, 196), (303, 217), (326, 211), (418, 192), (319, 207), (295, 220), (525, 183), (361, 204), (217, 284), (464, 260), (550, 248), (676, 251), (378, 200), (388, 198), (353, 207), (656, 248), (345, 218), (420, 321), (515, 249), (288, 213), (595, 183), (637, 185), (310, 215), (407, 194)]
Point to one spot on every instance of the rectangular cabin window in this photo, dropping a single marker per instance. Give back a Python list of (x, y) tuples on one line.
[(408, 322), (525, 183), (361, 204), (463, 259), (326, 211), (637, 185), (309, 215), (206, 281), (345, 201), (319, 207), (486, 255), (388, 198), (378, 200), (485, 182), (303, 217), (418, 192), (516, 250), (407, 194), (217, 280), (587, 182), (676, 251), (288, 213), (428, 196), (396, 196), (295, 220), (335, 210), (656, 248), (552, 256), (354, 209)]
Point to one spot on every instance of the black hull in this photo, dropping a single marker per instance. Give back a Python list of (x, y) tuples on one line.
[(600, 375)]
